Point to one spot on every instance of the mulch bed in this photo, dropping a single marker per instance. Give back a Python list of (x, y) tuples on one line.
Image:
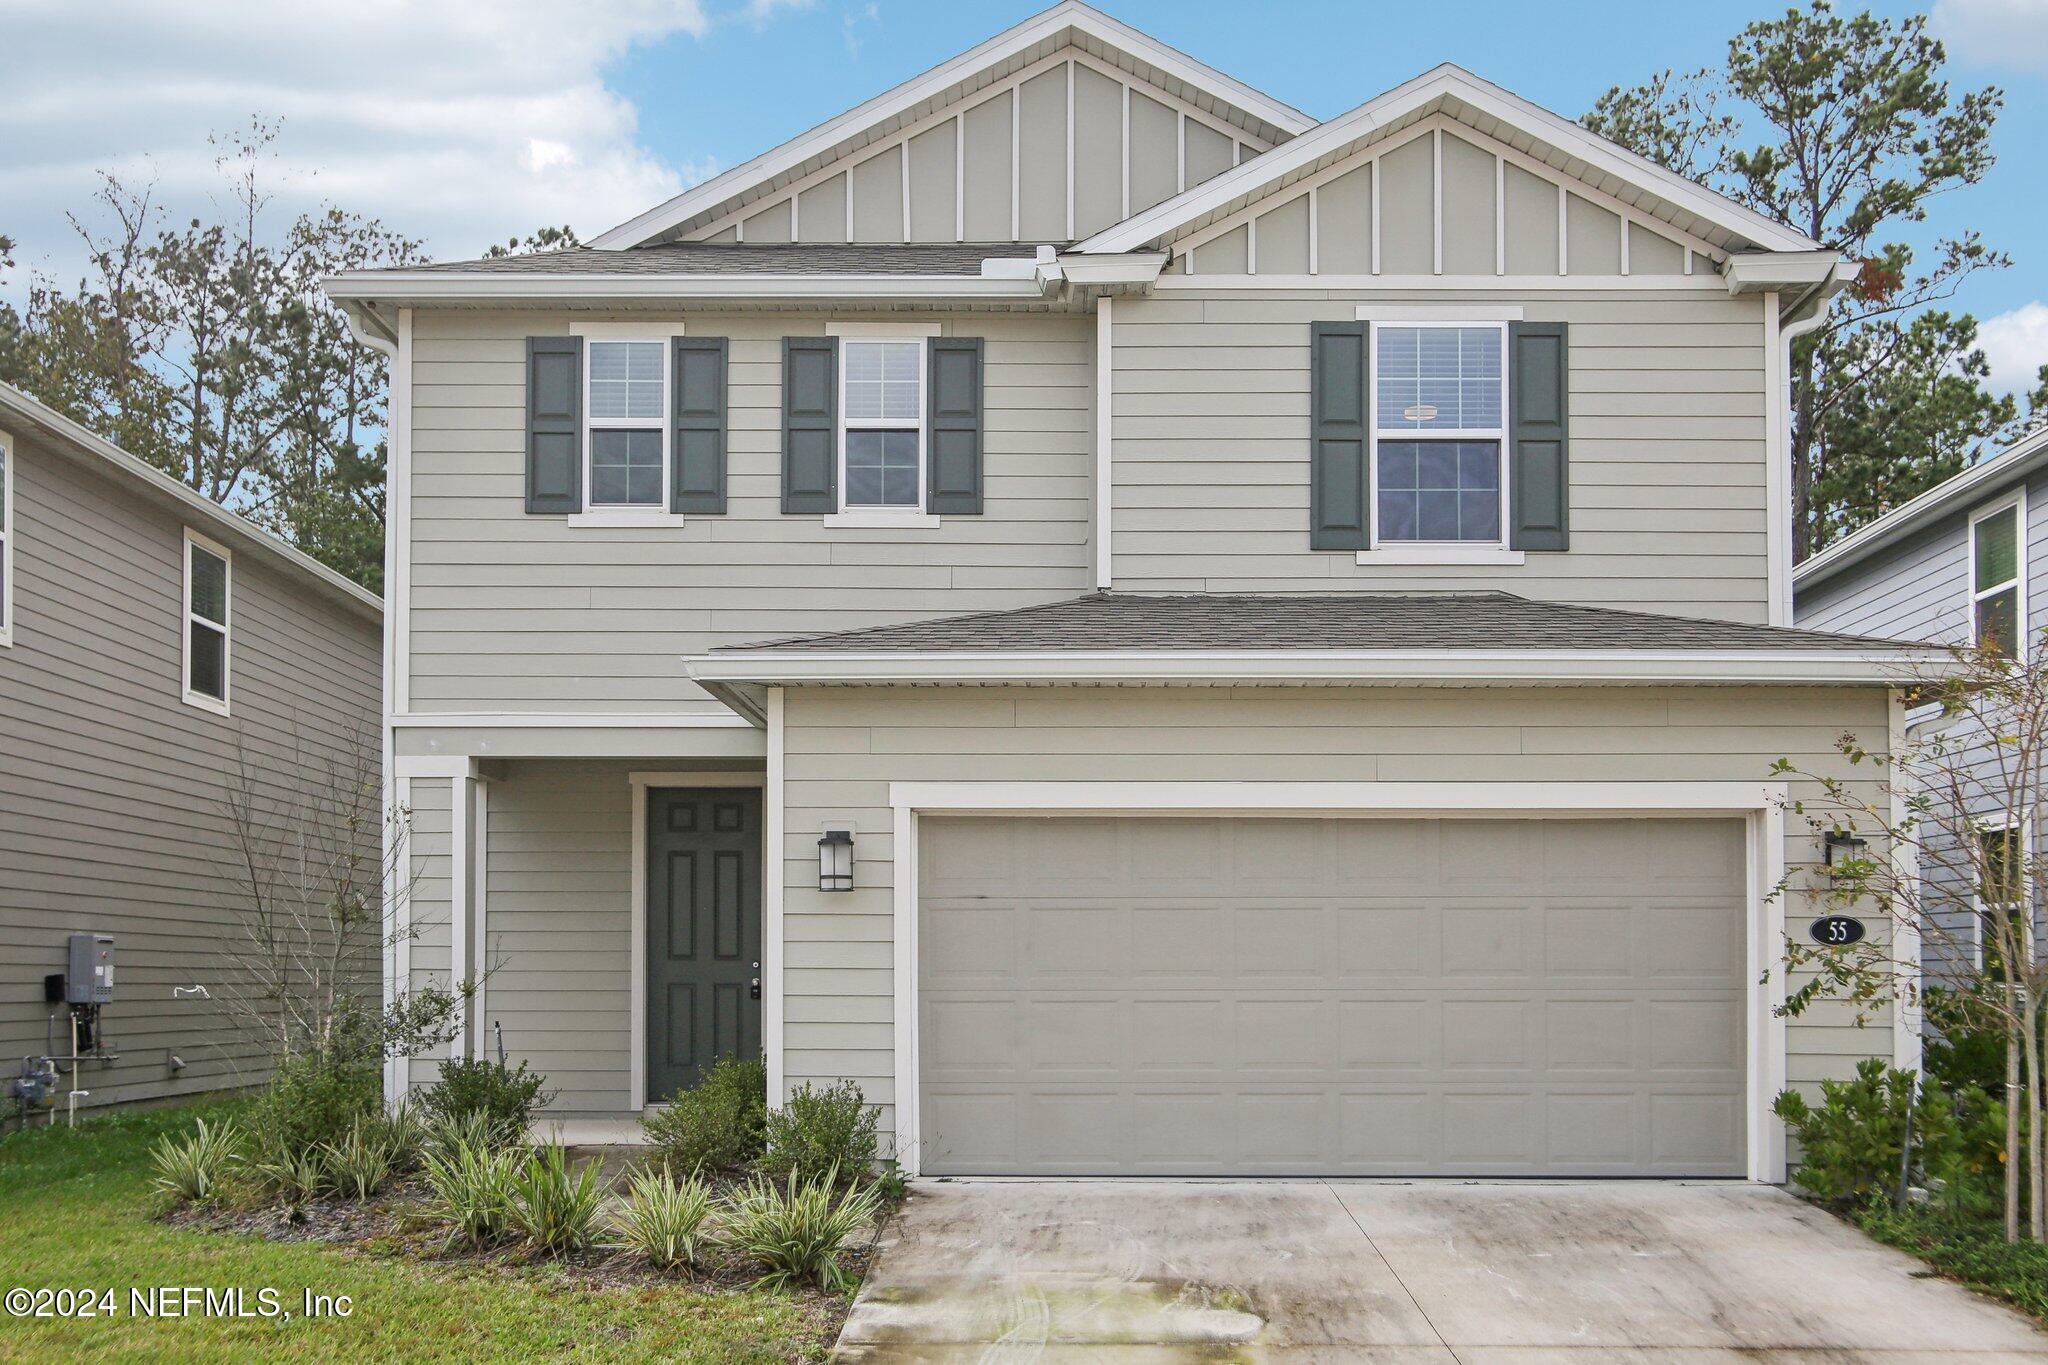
[(392, 1224)]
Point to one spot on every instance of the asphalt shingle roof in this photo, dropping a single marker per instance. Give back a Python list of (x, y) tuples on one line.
[(726, 258), (1366, 620)]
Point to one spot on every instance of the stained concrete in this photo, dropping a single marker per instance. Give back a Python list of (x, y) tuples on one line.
[(1404, 1274)]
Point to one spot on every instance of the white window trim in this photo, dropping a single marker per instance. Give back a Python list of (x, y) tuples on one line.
[(2016, 500), (7, 541), (1444, 552), (1981, 907), (600, 515), (186, 617), (858, 515)]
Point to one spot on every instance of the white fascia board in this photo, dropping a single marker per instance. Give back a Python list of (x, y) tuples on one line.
[(448, 287), (1040, 27), (1446, 80), (1889, 667), (1752, 272), (1973, 485)]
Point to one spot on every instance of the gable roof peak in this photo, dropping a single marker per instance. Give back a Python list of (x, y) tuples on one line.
[(1034, 37)]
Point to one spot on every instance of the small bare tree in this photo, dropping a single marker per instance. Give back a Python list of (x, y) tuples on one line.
[(1947, 861), (312, 855)]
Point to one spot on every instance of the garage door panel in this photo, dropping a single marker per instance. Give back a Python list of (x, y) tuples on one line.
[(1392, 1025)]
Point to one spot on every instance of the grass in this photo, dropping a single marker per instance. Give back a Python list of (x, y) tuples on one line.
[(79, 1216), (1973, 1252)]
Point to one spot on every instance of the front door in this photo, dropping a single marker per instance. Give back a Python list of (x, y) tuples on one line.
[(703, 932)]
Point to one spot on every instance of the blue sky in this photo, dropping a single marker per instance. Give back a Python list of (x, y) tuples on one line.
[(467, 123)]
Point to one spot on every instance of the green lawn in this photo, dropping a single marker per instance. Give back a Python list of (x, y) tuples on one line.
[(77, 1216), (1972, 1252)]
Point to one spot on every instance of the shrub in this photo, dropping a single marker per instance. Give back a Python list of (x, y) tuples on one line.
[(553, 1208), (507, 1096), (192, 1171), (362, 1161), (313, 1100), (661, 1218), (1852, 1143), (797, 1232), (292, 1178), (470, 1183), (405, 1131), (715, 1124), (819, 1130)]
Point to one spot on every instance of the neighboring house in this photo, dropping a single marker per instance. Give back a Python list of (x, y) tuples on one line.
[(1955, 565), (160, 657), (1277, 633)]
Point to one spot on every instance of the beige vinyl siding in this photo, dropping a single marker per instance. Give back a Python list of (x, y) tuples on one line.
[(1437, 189), (512, 612), (844, 747), (1083, 174), (1667, 451), (428, 909), (112, 789)]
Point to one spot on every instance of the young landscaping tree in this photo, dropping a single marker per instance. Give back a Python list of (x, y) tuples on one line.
[(1949, 865), (1843, 127)]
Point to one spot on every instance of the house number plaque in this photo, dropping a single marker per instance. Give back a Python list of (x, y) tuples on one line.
[(1837, 931)]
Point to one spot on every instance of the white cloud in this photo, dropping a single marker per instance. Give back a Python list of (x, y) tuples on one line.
[(2016, 346), (460, 123), (2002, 33)]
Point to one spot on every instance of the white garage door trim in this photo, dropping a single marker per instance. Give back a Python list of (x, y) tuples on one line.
[(1760, 804)]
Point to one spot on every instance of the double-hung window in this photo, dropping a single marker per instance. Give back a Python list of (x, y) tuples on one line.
[(2002, 877), (1998, 563), (6, 541), (1439, 434), (627, 406), (208, 586), (882, 436)]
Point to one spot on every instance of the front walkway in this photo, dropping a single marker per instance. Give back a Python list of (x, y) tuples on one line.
[(1466, 1274)]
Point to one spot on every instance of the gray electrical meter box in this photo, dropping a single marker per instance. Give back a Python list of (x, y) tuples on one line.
[(90, 979)]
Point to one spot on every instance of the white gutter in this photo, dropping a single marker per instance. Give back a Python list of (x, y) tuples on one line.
[(789, 667), (440, 286)]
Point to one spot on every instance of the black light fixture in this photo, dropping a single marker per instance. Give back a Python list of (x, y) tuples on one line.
[(1851, 845), (835, 860)]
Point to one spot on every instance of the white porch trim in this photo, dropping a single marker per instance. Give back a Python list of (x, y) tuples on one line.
[(1760, 805)]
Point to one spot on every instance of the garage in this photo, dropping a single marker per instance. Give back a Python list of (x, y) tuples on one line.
[(1130, 995)]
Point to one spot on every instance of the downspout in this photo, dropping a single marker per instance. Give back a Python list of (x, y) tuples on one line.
[(1790, 328)]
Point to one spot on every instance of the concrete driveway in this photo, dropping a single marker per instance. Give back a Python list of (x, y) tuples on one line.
[(1467, 1274)]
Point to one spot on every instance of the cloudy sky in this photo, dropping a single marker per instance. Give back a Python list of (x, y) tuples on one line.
[(464, 122)]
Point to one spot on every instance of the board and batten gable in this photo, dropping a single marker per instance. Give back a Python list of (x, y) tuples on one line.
[(844, 747), (511, 612), (1053, 152), (114, 787)]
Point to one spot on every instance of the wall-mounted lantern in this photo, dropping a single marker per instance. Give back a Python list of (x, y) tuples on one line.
[(1840, 846), (835, 860)]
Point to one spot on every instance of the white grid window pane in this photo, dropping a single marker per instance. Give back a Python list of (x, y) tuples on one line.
[(625, 379), (884, 380), (881, 469), (625, 468), (1439, 378), (1431, 491)]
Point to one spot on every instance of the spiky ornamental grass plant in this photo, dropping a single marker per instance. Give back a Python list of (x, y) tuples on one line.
[(470, 1186), (797, 1231), (553, 1208), (362, 1161), (192, 1170), (661, 1219)]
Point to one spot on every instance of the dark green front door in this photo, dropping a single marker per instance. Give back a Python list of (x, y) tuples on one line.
[(703, 931)]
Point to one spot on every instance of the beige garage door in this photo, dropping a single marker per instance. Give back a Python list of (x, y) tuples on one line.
[(1128, 996)]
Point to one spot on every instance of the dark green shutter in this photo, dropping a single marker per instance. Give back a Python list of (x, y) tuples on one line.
[(698, 383), (554, 425), (1339, 380), (953, 469), (810, 420), (1539, 389)]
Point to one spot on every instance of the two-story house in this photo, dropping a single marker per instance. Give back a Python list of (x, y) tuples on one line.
[(188, 714), (1155, 634), (1955, 565)]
